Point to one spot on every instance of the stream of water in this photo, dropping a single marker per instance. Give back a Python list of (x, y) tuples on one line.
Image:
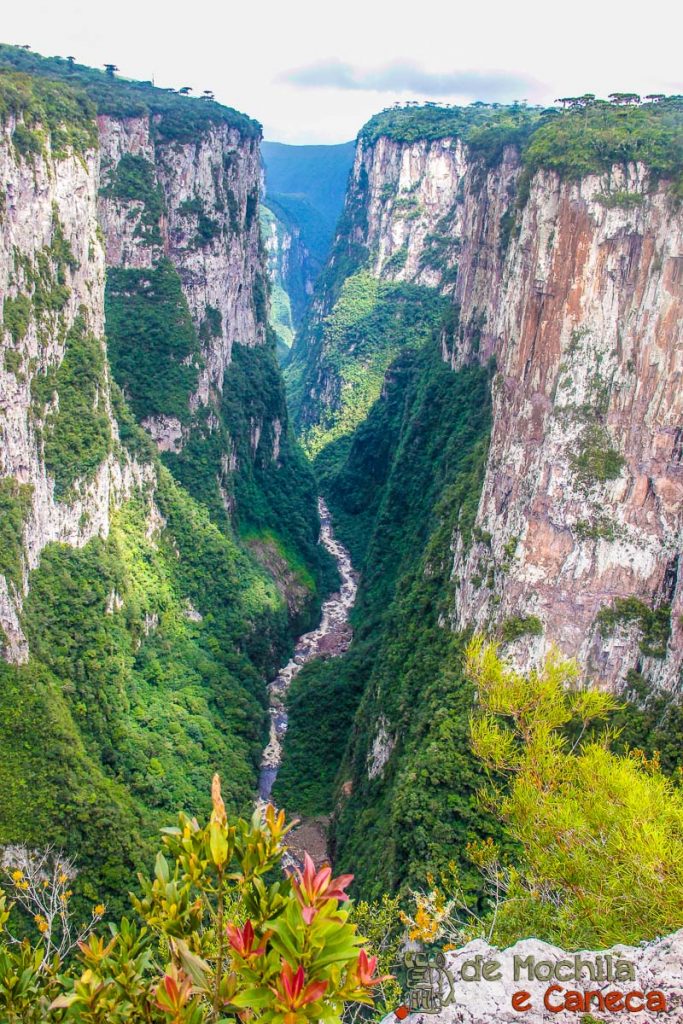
[(332, 637)]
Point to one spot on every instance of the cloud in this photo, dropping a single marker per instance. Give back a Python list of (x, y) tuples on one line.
[(405, 76)]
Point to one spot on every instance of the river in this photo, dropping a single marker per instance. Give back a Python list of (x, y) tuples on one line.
[(332, 637)]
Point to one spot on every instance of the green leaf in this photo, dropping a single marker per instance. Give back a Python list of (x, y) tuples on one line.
[(253, 998)]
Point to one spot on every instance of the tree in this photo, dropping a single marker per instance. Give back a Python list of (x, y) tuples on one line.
[(71, 62), (623, 99), (110, 69), (207, 95), (186, 90), (601, 835), (40, 883)]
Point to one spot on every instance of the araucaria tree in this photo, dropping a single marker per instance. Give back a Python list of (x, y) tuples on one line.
[(222, 936)]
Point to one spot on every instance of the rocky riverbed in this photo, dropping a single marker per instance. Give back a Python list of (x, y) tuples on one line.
[(332, 637)]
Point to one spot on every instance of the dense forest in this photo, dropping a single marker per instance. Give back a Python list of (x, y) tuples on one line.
[(160, 554)]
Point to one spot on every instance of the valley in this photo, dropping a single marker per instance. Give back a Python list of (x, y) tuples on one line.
[(288, 435)]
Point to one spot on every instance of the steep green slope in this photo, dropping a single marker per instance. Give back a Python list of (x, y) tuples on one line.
[(411, 470)]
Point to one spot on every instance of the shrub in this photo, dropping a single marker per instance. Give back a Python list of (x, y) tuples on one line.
[(521, 625), (219, 935), (654, 624), (601, 835), (596, 460)]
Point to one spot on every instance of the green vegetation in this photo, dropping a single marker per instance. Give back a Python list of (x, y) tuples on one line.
[(15, 504), (621, 200), (590, 139), (567, 887), (596, 459), (217, 931), (654, 624), (140, 698), (413, 469), (600, 528), (273, 487), (16, 316), (521, 625), (45, 112), (134, 178), (588, 136), (76, 432), (430, 122), (370, 323), (44, 290), (207, 228), (651, 720), (395, 263), (153, 345), (77, 91)]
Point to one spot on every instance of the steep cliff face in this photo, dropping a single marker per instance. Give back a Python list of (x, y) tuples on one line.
[(472, 264), (146, 590), (206, 225), (51, 293), (582, 501), (290, 270), (576, 294)]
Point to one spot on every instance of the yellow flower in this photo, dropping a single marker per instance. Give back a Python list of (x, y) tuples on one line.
[(17, 875), (99, 910), (63, 878), (43, 927)]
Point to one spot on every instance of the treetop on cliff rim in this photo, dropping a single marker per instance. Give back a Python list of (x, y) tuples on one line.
[(587, 136), (180, 117)]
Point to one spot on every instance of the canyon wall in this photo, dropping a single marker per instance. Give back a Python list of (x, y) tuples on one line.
[(575, 291), (208, 228), (52, 295), (158, 523)]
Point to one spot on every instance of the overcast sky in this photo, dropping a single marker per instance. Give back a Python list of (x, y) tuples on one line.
[(312, 71)]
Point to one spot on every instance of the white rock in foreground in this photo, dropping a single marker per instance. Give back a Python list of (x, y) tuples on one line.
[(657, 966)]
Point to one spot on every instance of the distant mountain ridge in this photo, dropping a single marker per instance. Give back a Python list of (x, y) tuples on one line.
[(305, 189)]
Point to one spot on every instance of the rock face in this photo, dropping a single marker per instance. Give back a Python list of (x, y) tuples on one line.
[(576, 293), (290, 263), (209, 229), (50, 208), (655, 967), (134, 201)]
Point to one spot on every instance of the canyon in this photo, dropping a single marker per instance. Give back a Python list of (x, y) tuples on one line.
[(214, 562)]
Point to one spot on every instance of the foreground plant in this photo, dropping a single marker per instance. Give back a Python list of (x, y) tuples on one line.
[(221, 936), (601, 835)]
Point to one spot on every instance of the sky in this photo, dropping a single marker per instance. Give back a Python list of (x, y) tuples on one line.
[(314, 72)]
